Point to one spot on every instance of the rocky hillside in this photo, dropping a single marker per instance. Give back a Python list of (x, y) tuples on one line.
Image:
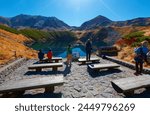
[(38, 22), (133, 22), (96, 22), (52, 23), (101, 21), (11, 43), (102, 36), (129, 41)]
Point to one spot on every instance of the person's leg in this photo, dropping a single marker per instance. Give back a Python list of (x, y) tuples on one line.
[(89, 55), (86, 55), (137, 68), (141, 67), (67, 59), (70, 60)]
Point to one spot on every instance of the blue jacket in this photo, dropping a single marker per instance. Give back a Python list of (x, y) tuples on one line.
[(141, 54)]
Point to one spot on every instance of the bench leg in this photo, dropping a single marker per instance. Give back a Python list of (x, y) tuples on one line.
[(94, 61), (148, 88), (5, 95), (49, 89), (56, 61), (13, 94), (83, 63), (38, 69), (130, 93), (54, 68)]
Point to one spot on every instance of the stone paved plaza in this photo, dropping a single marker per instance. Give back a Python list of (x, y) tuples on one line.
[(79, 81)]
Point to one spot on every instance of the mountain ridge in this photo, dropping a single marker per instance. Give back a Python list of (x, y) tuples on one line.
[(53, 23), (37, 22)]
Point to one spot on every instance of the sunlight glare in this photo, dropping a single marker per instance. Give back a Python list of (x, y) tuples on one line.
[(78, 4)]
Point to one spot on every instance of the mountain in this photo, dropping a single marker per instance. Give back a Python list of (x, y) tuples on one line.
[(37, 22), (133, 22), (4, 20), (101, 21), (52, 23), (98, 21)]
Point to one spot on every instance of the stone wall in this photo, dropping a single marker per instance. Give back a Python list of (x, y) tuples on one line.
[(127, 64), (6, 70)]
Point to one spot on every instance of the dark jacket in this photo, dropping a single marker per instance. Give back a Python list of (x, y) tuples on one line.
[(88, 46), (40, 55)]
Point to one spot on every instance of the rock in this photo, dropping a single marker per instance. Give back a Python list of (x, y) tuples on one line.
[(77, 88), (89, 95)]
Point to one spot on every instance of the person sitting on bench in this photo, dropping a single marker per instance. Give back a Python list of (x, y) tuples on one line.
[(49, 55), (40, 55)]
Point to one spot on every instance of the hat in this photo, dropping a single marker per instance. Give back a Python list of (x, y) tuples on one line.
[(144, 43)]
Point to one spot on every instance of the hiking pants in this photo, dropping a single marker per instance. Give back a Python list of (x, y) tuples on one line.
[(139, 67)]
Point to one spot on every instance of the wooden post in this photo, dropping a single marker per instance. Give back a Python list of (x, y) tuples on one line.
[(15, 54)]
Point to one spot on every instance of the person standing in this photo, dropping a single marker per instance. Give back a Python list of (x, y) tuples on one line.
[(40, 55), (88, 48), (69, 55), (140, 57)]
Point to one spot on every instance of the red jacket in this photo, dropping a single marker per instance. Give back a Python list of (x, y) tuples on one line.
[(49, 55)]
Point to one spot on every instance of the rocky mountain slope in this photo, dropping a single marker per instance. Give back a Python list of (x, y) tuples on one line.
[(11, 43), (38, 22), (101, 21)]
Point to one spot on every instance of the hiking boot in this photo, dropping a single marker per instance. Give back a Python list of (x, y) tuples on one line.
[(136, 74)]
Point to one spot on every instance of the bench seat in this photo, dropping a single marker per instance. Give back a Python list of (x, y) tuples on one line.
[(27, 84), (39, 67), (103, 66), (83, 60), (128, 85), (55, 59)]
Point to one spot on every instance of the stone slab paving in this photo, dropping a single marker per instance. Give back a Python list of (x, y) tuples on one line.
[(80, 82)]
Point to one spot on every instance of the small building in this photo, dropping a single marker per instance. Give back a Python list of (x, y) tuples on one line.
[(108, 51)]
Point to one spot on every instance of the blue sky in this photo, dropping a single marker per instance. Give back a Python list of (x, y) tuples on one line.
[(75, 12)]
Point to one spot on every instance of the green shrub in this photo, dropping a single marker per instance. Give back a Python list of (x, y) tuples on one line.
[(134, 35), (9, 29)]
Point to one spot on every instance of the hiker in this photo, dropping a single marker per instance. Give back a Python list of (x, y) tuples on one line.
[(88, 48), (69, 55), (49, 55), (40, 55), (148, 57), (140, 57)]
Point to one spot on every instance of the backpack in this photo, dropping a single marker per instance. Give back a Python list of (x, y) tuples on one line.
[(143, 55)]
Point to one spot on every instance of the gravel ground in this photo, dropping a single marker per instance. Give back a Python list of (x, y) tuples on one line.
[(80, 82)]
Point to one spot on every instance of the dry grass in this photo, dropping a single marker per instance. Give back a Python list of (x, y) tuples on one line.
[(126, 52), (11, 43)]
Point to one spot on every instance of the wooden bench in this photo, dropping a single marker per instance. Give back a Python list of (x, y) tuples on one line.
[(55, 59), (128, 85), (83, 60), (97, 67), (26, 84), (39, 67)]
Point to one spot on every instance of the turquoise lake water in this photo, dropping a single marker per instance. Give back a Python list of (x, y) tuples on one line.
[(74, 50), (61, 52)]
